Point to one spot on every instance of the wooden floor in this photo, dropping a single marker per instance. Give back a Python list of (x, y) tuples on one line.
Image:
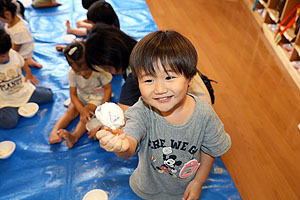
[(255, 96)]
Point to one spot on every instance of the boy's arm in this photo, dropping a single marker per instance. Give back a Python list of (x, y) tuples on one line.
[(131, 150), (123, 106), (194, 188), (28, 75), (122, 145), (107, 93)]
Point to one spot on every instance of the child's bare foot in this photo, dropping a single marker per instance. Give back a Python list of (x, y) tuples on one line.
[(32, 63), (70, 139), (69, 29), (54, 138)]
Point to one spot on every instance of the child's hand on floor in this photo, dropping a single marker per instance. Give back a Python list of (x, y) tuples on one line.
[(32, 79), (113, 140)]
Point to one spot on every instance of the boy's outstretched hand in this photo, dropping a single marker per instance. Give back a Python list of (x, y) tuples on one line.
[(113, 140)]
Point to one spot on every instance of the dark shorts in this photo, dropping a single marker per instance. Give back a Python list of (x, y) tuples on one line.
[(9, 116)]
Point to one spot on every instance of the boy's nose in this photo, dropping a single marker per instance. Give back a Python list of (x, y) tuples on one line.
[(160, 88)]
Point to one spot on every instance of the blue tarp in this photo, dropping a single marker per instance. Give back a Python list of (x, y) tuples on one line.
[(38, 170)]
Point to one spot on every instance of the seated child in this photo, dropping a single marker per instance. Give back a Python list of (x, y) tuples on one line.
[(44, 3), (15, 89), (88, 89), (20, 11), (98, 12), (18, 31), (176, 134)]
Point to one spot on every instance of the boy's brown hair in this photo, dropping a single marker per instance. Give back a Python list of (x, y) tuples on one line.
[(170, 48)]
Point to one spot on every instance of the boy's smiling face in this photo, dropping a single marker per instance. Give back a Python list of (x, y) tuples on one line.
[(165, 91), (3, 57)]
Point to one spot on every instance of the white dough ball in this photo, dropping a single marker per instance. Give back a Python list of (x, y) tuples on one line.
[(110, 115)]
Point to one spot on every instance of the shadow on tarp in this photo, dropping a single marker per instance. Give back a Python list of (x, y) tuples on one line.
[(37, 170)]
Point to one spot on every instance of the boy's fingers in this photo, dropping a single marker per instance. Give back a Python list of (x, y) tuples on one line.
[(104, 136), (106, 143), (118, 145), (101, 134), (113, 144)]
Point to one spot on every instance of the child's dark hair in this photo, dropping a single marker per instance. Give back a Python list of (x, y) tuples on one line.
[(103, 12), (169, 48), (5, 42), (108, 46), (75, 50), (7, 5), (87, 3), (22, 9)]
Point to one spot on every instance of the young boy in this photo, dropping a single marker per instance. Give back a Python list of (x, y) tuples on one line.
[(15, 89), (177, 135)]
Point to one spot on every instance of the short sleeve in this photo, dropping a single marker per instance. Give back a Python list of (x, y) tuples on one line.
[(72, 81), (19, 57), (216, 141), (105, 77), (21, 38), (21, 34), (136, 121)]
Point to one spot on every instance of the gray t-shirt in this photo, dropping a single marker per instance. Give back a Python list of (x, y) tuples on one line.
[(90, 90), (167, 152)]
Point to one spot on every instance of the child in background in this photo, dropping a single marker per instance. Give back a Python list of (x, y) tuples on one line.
[(18, 31), (15, 89), (177, 135), (44, 3), (98, 12), (82, 23), (88, 89), (20, 11)]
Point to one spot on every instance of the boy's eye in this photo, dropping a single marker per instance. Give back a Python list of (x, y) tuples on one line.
[(148, 81), (169, 77)]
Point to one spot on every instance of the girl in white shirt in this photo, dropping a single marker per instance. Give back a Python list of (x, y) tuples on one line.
[(88, 89), (18, 31)]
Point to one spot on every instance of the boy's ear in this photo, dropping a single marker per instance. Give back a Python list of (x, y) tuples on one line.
[(191, 81)]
